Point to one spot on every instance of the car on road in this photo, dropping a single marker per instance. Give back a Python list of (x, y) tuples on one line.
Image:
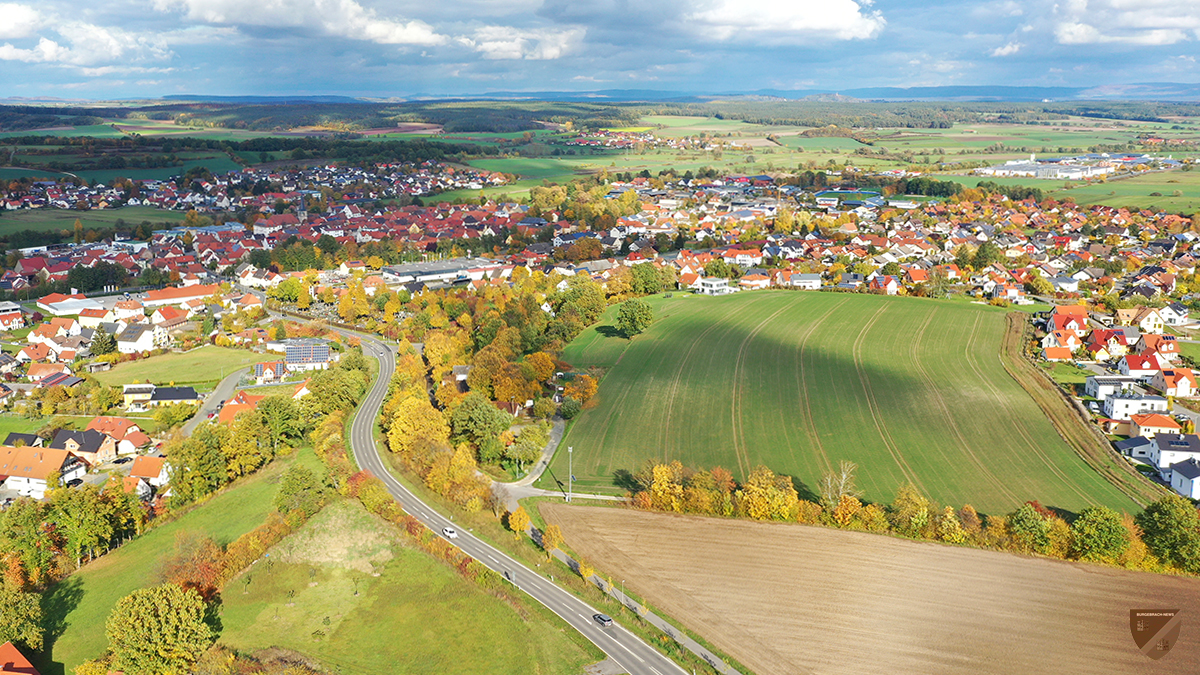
[(212, 415), (603, 619), (450, 532)]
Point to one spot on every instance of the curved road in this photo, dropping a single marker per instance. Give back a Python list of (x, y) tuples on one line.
[(623, 647)]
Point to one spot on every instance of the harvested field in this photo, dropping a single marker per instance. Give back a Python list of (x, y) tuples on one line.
[(784, 598)]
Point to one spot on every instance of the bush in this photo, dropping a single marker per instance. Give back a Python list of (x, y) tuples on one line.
[(570, 408)]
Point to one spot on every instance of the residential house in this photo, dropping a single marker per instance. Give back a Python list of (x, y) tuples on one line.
[(8, 363), (141, 337), (1177, 382), (13, 661), (40, 371), (1174, 314), (34, 353), (126, 433), (1101, 387), (153, 470), (15, 438), (1122, 406), (714, 286), (1171, 449), (1136, 447), (1132, 365), (25, 469), (885, 284), (270, 372), (172, 396), (12, 320), (754, 281), (1057, 354), (1147, 319), (1165, 346), (137, 395), (1185, 478), (1062, 338), (91, 446), (168, 317), (1149, 425)]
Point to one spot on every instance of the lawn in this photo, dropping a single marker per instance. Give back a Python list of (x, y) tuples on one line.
[(345, 591), (21, 425), (81, 604), (912, 390), (203, 366), (62, 219)]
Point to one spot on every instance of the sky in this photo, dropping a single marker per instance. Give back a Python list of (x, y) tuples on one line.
[(126, 49)]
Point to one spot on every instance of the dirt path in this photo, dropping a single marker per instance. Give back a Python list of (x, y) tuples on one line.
[(786, 599)]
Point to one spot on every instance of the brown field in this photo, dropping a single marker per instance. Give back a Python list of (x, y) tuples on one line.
[(783, 598)]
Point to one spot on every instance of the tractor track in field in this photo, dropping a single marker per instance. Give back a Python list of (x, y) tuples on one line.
[(873, 407), (739, 443), (666, 436), (802, 388), (950, 422), (1020, 428)]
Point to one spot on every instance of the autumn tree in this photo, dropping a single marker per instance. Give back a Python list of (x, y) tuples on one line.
[(158, 631), (909, 513), (416, 424), (518, 521), (552, 540), (20, 616), (542, 364), (78, 516), (195, 563), (582, 388)]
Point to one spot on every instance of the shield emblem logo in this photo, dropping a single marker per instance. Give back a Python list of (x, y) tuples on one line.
[(1155, 631)]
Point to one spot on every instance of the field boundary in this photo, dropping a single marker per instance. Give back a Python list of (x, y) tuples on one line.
[(1067, 420)]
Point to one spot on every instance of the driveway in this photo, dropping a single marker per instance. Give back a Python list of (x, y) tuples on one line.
[(223, 391)]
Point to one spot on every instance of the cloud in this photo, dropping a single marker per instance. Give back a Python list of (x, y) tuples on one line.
[(1142, 23), (1008, 49), (84, 44), (341, 18), (787, 19), (503, 42), (18, 21)]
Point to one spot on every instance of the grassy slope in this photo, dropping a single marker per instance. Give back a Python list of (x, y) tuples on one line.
[(57, 219), (82, 602), (909, 389), (417, 616), (200, 366)]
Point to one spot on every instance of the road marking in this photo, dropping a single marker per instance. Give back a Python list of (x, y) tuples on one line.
[(655, 670), (493, 558), (622, 646)]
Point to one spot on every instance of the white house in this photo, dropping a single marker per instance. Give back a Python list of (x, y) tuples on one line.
[(1171, 449), (1185, 478), (153, 470), (715, 286), (1174, 314), (141, 337), (1122, 406), (1101, 387), (25, 469)]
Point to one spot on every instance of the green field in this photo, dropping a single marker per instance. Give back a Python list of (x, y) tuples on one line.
[(912, 390), (317, 595), (49, 220), (203, 366), (79, 605), (21, 425)]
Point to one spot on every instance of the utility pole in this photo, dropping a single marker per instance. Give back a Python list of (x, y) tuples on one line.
[(570, 470)]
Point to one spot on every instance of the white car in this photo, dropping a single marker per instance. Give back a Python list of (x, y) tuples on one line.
[(450, 532)]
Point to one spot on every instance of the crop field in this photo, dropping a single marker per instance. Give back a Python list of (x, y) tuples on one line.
[(816, 600), (59, 219), (912, 390), (344, 590), (203, 366)]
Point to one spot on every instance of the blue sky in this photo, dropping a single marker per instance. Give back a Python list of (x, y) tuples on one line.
[(120, 49)]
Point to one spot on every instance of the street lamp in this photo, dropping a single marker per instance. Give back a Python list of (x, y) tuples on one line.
[(570, 470)]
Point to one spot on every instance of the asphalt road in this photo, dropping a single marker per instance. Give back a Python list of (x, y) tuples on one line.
[(623, 647)]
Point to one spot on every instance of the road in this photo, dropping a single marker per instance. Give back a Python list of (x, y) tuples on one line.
[(622, 647), (222, 392)]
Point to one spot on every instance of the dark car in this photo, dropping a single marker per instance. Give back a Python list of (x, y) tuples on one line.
[(75, 482), (122, 460), (603, 619)]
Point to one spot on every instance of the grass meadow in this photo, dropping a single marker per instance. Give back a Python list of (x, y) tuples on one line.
[(912, 390), (345, 591), (203, 366)]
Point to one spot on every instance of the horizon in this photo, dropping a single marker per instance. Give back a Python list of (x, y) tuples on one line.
[(137, 50)]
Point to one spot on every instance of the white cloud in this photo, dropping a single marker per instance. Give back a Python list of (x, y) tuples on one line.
[(503, 42), (83, 44), (18, 21), (1008, 49), (341, 18), (1145, 22), (785, 19)]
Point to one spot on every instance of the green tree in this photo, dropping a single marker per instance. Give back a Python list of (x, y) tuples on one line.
[(634, 316), (20, 616), (300, 490), (1030, 531), (476, 419), (249, 445), (646, 280), (569, 408), (281, 415), (158, 631), (891, 269), (1171, 530), (1098, 534), (22, 530), (103, 343), (80, 517), (910, 512)]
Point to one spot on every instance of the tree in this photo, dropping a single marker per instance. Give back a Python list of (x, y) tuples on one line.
[(518, 521), (837, 484), (23, 531), (417, 425), (1038, 285), (173, 415), (476, 419), (20, 616), (552, 540), (103, 343), (634, 316), (299, 490), (646, 280), (910, 512), (570, 408), (1171, 529), (247, 447), (195, 564), (281, 415), (158, 631), (1098, 534), (582, 388), (542, 364), (1030, 531), (78, 514)]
